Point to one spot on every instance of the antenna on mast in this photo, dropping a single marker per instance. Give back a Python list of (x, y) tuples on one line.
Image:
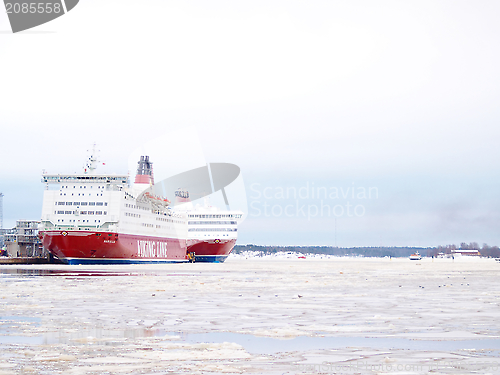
[(91, 164)]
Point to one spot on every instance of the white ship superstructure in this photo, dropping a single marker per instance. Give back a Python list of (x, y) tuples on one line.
[(213, 224), (83, 202), (211, 231)]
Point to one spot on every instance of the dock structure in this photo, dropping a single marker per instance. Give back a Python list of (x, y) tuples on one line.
[(7, 260), (1, 211), (22, 241), (2, 231)]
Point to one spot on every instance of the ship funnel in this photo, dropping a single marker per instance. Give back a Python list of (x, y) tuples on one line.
[(181, 196), (144, 171)]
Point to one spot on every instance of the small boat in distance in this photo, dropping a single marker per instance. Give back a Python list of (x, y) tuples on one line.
[(415, 256)]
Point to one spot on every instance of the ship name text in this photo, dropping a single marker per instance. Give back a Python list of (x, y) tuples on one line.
[(152, 249)]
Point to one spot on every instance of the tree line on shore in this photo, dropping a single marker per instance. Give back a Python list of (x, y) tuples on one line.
[(485, 250), (380, 251)]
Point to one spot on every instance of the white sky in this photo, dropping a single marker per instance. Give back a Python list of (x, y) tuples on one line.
[(398, 95)]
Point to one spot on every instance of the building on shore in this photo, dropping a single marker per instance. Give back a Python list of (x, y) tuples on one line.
[(22, 240), (2, 236), (460, 252), (3, 248)]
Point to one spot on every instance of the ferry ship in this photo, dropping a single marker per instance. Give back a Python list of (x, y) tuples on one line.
[(212, 232), (94, 218)]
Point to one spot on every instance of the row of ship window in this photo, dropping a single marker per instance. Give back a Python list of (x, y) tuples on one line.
[(81, 203), (83, 194), (163, 226), (136, 207), (156, 212), (74, 221), (81, 186), (81, 212), (212, 216), (212, 230), (132, 215), (147, 225), (212, 222), (169, 220)]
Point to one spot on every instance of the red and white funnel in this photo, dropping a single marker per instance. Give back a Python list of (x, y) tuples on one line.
[(182, 196), (144, 171)]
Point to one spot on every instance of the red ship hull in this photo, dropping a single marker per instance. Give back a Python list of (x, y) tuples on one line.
[(86, 247), (213, 251)]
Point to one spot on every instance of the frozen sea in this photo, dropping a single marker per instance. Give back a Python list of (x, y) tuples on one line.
[(253, 315)]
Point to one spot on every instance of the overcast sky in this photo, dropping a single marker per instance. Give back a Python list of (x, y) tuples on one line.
[(396, 98)]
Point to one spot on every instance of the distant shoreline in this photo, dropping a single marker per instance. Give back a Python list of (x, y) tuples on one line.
[(378, 252)]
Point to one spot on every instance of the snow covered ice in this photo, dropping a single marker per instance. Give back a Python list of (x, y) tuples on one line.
[(267, 315)]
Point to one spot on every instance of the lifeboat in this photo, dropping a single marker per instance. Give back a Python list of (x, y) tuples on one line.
[(157, 200)]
